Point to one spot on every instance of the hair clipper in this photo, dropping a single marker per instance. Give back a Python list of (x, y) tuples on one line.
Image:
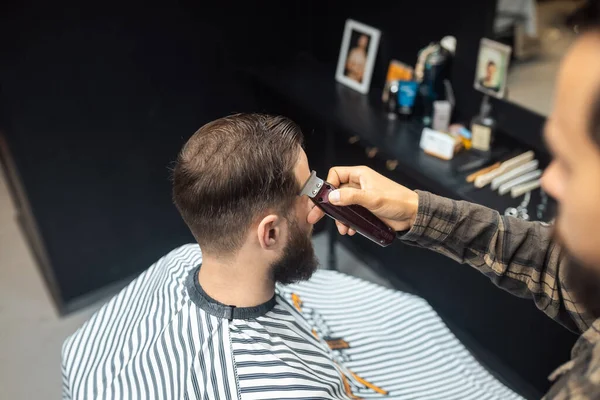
[(356, 217)]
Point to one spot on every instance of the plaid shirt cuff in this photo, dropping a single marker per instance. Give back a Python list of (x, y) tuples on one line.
[(436, 218)]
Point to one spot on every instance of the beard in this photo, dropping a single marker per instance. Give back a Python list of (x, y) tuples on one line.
[(298, 261), (582, 280)]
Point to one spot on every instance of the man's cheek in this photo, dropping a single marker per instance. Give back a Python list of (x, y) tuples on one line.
[(304, 210), (566, 225), (578, 225)]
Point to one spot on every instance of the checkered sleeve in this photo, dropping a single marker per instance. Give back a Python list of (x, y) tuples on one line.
[(518, 256)]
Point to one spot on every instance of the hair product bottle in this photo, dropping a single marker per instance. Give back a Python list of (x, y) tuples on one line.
[(483, 126)]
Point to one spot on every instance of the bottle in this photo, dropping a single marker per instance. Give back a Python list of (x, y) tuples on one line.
[(436, 69), (407, 92), (483, 126), (391, 99)]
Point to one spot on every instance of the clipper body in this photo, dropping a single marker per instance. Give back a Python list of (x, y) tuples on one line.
[(357, 217)]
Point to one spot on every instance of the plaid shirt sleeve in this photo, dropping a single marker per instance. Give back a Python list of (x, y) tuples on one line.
[(518, 256)]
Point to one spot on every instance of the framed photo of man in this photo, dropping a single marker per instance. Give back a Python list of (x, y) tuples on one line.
[(357, 56), (492, 68)]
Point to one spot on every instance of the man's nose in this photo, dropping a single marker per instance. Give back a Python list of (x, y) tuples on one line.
[(549, 181)]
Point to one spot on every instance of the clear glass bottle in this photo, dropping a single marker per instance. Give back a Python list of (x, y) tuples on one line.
[(483, 127)]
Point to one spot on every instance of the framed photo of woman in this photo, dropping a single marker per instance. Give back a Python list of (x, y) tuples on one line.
[(357, 56)]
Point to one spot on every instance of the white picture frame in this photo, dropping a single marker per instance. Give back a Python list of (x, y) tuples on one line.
[(354, 68), (492, 83)]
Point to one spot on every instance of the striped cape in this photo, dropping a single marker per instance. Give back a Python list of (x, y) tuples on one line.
[(333, 337)]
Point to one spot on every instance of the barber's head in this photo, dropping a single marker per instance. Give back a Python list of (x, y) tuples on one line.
[(572, 133), (573, 136), (236, 185)]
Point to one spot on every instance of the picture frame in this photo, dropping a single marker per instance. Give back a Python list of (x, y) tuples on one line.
[(492, 68), (358, 51)]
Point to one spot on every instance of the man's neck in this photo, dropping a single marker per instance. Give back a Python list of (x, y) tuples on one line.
[(234, 283)]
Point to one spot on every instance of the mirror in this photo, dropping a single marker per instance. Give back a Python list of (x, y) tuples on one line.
[(539, 32)]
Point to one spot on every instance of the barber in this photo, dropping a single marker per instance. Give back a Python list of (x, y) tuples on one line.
[(562, 276)]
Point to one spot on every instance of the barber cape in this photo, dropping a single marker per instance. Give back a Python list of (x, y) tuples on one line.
[(333, 337)]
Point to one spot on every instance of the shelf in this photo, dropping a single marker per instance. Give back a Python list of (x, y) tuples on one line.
[(309, 87)]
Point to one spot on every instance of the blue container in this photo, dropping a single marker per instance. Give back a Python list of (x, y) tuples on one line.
[(407, 92)]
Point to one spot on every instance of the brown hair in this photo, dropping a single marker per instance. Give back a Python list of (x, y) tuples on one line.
[(232, 170)]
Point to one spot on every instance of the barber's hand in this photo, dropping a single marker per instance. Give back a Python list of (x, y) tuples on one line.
[(393, 203)]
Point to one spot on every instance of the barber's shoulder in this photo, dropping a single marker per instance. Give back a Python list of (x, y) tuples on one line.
[(580, 375)]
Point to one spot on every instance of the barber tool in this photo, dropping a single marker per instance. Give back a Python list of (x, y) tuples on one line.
[(520, 211), (515, 173), (524, 188), (525, 178), (473, 164), (474, 161), (471, 178), (521, 180), (541, 208), (505, 167), (356, 217)]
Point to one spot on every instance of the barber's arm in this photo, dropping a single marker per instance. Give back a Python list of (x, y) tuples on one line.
[(518, 256)]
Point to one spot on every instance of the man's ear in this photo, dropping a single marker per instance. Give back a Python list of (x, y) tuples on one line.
[(269, 231)]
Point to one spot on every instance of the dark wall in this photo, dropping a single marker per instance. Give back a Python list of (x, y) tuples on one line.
[(97, 100), (406, 27)]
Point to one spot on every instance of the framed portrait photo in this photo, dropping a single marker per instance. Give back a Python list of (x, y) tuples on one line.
[(492, 68), (357, 56)]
